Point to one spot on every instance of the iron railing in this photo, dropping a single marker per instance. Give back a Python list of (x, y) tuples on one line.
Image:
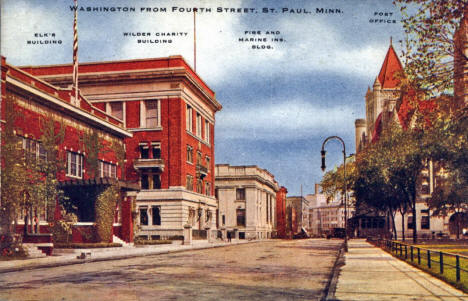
[(436, 261)]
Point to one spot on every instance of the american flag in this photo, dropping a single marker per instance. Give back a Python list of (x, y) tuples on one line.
[(75, 52)]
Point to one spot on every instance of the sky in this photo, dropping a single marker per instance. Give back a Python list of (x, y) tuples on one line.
[(281, 98)]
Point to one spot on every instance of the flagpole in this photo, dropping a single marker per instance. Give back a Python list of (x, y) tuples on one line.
[(75, 52), (194, 42)]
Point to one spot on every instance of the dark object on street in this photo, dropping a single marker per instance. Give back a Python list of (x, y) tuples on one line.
[(338, 232)]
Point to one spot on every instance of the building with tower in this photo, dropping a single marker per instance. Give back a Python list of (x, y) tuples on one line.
[(383, 103)]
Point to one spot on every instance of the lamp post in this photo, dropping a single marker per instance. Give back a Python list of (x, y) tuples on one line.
[(323, 152)]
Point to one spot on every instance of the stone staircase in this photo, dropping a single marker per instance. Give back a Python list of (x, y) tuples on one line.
[(116, 239), (33, 250)]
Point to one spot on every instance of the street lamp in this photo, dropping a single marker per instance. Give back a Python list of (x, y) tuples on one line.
[(323, 152)]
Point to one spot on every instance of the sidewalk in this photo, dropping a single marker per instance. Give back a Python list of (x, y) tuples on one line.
[(112, 254), (370, 273)]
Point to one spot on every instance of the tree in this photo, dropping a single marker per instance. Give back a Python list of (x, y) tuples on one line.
[(389, 169), (430, 27), (447, 141), (332, 182), (14, 171), (373, 187)]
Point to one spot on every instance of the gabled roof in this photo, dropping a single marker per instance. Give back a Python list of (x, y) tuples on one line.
[(390, 67)]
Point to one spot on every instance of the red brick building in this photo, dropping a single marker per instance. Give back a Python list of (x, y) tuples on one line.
[(281, 212), (36, 101), (170, 113), (162, 114)]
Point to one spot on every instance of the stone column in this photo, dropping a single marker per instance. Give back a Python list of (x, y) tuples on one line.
[(209, 235), (187, 235), (224, 234)]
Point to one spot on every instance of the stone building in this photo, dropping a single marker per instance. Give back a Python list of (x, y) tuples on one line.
[(170, 112), (383, 105), (247, 201), (325, 216)]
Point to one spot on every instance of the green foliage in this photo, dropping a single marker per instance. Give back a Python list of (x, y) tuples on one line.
[(93, 148), (119, 150), (430, 26), (332, 182), (14, 176), (105, 210), (62, 229), (388, 171), (47, 190), (448, 142)]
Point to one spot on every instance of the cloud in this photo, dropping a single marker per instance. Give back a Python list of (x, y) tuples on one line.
[(288, 120), (19, 23)]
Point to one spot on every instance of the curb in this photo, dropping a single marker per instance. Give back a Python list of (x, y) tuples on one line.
[(330, 289), (116, 257)]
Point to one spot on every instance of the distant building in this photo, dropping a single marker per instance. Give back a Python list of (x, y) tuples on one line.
[(247, 200), (281, 212), (324, 217), (297, 215), (383, 104)]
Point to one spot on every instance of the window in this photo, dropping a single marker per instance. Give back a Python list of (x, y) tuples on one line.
[(189, 119), (207, 131), (149, 117), (425, 220), (208, 161), (410, 222), (207, 188), (240, 213), (150, 180), (116, 109), (156, 150), (200, 186), (223, 218), (34, 150), (189, 154), (118, 212), (199, 158), (189, 182), (143, 216), (199, 125), (151, 113), (144, 181), (74, 165), (156, 181), (240, 194), (144, 151), (156, 215), (107, 170)]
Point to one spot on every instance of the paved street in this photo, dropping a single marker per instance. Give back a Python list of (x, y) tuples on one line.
[(272, 270)]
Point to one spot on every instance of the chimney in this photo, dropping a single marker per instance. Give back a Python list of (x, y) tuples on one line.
[(317, 188)]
